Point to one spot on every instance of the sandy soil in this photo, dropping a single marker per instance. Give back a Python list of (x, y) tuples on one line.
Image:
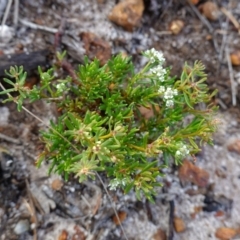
[(34, 205)]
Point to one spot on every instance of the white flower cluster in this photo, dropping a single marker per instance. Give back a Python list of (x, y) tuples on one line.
[(117, 183), (155, 56), (168, 95), (182, 152), (160, 72), (61, 87)]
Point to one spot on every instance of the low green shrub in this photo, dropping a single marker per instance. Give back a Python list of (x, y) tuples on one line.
[(125, 123)]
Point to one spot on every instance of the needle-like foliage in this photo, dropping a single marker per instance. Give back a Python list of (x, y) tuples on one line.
[(121, 122)]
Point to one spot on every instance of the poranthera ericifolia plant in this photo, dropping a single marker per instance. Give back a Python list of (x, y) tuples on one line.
[(127, 124)]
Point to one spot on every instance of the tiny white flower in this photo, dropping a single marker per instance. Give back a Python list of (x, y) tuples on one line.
[(124, 181), (113, 184), (160, 72), (117, 183), (60, 87), (155, 56), (169, 103), (161, 90), (169, 94), (182, 152), (178, 153)]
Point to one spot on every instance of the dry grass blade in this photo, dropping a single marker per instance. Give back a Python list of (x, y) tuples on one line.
[(206, 23), (32, 210), (231, 18), (38, 27), (233, 84), (6, 13), (112, 205), (9, 139), (201, 17), (16, 12), (223, 45)]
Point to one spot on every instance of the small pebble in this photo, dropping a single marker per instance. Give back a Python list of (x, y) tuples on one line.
[(4, 113), (21, 227), (6, 34)]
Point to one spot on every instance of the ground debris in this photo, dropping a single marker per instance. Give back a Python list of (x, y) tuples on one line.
[(127, 13), (96, 47), (189, 172), (83, 211), (225, 233)]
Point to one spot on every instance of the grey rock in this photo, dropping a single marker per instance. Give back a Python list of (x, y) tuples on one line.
[(21, 227)]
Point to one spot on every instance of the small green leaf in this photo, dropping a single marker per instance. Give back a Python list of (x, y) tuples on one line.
[(187, 100), (22, 78), (150, 165), (138, 194), (184, 75), (128, 187), (7, 91), (193, 143), (77, 157), (9, 81), (19, 105)]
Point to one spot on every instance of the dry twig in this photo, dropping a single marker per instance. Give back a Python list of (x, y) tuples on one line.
[(231, 18), (16, 12), (9, 139), (223, 45), (201, 17), (162, 33), (171, 217), (233, 84), (6, 13), (206, 23), (38, 27), (32, 210)]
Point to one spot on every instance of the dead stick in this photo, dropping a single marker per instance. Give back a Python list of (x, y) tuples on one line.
[(206, 23), (171, 216), (231, 18), (233, 84), (33, 211)]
